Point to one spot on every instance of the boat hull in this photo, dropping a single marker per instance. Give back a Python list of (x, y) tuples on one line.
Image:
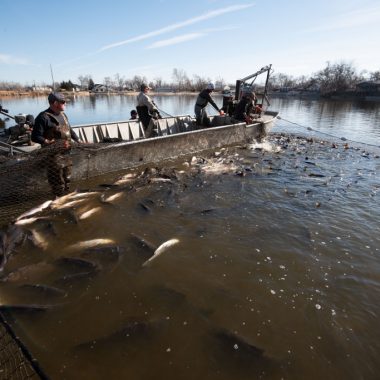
[(114, 157)]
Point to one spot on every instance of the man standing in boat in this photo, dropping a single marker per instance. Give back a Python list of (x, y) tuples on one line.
[(246, 110), (203, 99), (147, 110), (53, 131)]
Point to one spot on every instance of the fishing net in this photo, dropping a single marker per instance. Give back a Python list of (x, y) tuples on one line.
[(15, 361), (27, 179)]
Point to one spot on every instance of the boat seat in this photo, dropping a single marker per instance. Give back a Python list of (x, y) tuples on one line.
[(124, 131), (90, 135), (113, 131), (136, 130), (172, 125), (163, 127)]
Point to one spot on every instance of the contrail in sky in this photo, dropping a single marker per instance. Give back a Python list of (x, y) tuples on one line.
[(175, 40), (169, 28)]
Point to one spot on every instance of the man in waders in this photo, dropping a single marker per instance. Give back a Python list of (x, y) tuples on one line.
[(52, 130), (147, 111), (203, 99)]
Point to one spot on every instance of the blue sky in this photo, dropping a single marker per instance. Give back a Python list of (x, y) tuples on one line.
[(211, 38)]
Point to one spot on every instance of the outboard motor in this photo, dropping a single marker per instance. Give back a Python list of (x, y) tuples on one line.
[(20, 133)]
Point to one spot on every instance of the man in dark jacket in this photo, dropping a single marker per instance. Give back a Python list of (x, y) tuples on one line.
[(203, 99), (53, 131), (246, 109)]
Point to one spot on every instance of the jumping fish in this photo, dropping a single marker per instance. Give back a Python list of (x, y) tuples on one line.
[(89, 244), (161, 249), (35, 210), (88, 213)]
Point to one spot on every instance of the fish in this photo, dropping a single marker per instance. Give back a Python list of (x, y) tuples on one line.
[(90, 212), (70, 204), (128, 178), (113, 197), (234, 344), (144, 207), (86, 194), (64, 198), (69, 278), (30, 272), (161, 249), (24, 222), (8, 241), (104, 254), (38, 240), (132, 332), (89, 244), (25, 309), (144, 243), (45, 290), (77, 262), (35, 210), (160, 180)]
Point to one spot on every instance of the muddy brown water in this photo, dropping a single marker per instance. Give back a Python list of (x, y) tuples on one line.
[(276, 273)]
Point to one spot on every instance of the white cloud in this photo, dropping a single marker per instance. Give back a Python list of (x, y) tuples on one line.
[(175, 40), (10, 60), (169, 28)]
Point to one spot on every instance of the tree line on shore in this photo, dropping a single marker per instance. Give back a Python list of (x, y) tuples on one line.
[(334, 77)]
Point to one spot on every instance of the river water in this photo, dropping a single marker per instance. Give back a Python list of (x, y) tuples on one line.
[(276, 272)]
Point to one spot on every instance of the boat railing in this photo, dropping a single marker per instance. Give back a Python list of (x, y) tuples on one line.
[(131, 130), (10, 149)]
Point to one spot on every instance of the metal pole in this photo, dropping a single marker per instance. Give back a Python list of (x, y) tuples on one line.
[(52, 77)]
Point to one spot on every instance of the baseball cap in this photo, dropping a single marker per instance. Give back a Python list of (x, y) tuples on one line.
[(56, 96)]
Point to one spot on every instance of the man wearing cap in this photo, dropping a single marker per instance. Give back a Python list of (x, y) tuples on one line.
[(147, 110), (53, 131), (203, 99)]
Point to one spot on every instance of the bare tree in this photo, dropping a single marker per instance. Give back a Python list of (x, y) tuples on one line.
[(107, 82), (199, 83), (375, 75), (180, 79), (337, 77), (137, 81), (219, 83), (119, 81), (84, 81)]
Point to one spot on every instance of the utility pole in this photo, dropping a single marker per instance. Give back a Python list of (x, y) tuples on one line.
[(52, 77)]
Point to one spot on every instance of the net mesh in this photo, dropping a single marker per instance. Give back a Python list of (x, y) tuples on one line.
[(26, 179), (29, 179), (14, 364)]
